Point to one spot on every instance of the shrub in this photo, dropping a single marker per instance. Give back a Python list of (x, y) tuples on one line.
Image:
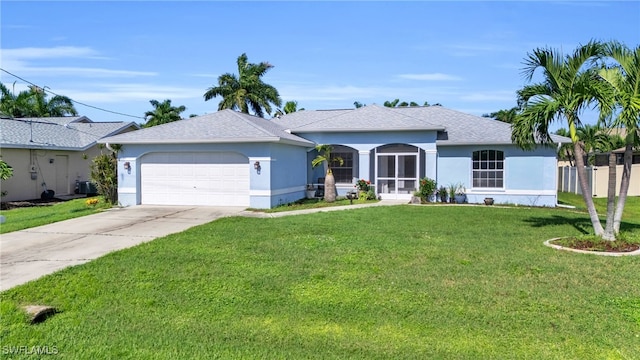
[(427, 188), (104, 175)]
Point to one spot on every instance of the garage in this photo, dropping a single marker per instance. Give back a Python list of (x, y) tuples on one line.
[(195, 178)]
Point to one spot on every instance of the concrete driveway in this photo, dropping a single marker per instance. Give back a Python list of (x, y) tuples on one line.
[(29, 254)]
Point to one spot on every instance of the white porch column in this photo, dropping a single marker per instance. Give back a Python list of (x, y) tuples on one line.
[(431, 164), (364, 165)]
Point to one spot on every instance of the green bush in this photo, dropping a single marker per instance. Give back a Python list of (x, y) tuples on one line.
[(427, 189)]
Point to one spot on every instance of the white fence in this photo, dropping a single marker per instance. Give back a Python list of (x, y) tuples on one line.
[(597, 178)]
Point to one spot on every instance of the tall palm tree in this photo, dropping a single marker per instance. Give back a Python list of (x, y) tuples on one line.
[(246, 91), (569, 85), (162, 113), (324, 158), (34, 103), (625, 80)]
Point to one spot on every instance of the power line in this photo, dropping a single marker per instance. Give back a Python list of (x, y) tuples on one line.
[(43, 121), (74, 101)]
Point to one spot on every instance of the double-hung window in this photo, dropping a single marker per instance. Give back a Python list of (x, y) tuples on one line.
[(342, 173), (488, 169)]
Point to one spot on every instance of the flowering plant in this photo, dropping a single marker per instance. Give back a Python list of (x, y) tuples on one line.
[(363, 185), (93, 201)]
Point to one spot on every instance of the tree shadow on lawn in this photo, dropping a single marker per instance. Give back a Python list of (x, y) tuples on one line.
[(583, 225)]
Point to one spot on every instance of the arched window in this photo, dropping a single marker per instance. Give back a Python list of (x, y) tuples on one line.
[(488, 169)]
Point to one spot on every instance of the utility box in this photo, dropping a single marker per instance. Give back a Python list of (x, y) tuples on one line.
[(88, 188)]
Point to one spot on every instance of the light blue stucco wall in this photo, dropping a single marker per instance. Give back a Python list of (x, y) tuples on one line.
[(280, 179), (529, 176), (364, 144)]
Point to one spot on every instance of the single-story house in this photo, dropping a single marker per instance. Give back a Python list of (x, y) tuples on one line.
[(51, 153), (230, 158)]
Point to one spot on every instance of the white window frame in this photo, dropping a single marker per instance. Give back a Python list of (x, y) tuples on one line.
[(495, 166)]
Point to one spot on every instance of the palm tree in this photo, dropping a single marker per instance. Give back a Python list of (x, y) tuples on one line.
[(624, 78), (397, 103), (565, 152), (358, 104), (162, 113), (34, 103), (568, 87), (324, 158), (505, 115), (289, 107), (594, 139), (246, 91)]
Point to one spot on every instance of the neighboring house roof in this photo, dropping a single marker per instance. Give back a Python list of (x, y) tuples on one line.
[(225, 126), (57, 133), (454, 127)]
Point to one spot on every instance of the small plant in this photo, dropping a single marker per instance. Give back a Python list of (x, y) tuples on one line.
[(371, 194), (427, 188), (442, 194), (6, 172), (92, 202), (363, 185)]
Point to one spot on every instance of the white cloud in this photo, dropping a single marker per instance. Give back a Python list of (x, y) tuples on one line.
[(47, 53), (430, 77), (113, 93), (19, 61), (81, 72)]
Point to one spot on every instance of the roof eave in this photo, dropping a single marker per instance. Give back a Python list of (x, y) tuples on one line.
[(274, 139), (352, 130)]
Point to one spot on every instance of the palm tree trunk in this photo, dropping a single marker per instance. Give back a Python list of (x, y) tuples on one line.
[(329, 187), (584, 186), (609, 233), (624, 185)]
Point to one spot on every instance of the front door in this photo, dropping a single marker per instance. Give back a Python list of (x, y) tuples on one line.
[(62, 184), (397, 175)]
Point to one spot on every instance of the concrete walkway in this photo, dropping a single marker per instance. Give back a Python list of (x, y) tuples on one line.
[(28, 254)]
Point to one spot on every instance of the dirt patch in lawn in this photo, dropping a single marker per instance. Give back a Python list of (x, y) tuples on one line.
[(8, 205)]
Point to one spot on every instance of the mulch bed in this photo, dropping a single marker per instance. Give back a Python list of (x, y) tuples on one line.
[(603, 246)]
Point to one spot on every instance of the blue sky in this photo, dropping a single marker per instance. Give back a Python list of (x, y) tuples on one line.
[(466, 55)]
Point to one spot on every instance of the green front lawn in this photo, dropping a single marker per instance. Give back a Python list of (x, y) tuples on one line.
[(631, 208), (400, 282), (28, 217)]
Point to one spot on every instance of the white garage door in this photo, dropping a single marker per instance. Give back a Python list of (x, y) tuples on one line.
[(200, 178)]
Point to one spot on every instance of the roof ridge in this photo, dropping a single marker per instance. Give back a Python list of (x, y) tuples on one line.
[(251, 122)]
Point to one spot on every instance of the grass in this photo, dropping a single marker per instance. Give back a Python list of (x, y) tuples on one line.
[(304, 204), (631, 208), (28, 217), (401, 282)]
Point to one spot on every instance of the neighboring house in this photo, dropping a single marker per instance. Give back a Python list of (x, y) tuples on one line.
[(55, 152), (230, 158)]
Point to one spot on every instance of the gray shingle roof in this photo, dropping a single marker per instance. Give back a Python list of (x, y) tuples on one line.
[(65, 133), (366, 118), (220, 127), (455, 128)]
